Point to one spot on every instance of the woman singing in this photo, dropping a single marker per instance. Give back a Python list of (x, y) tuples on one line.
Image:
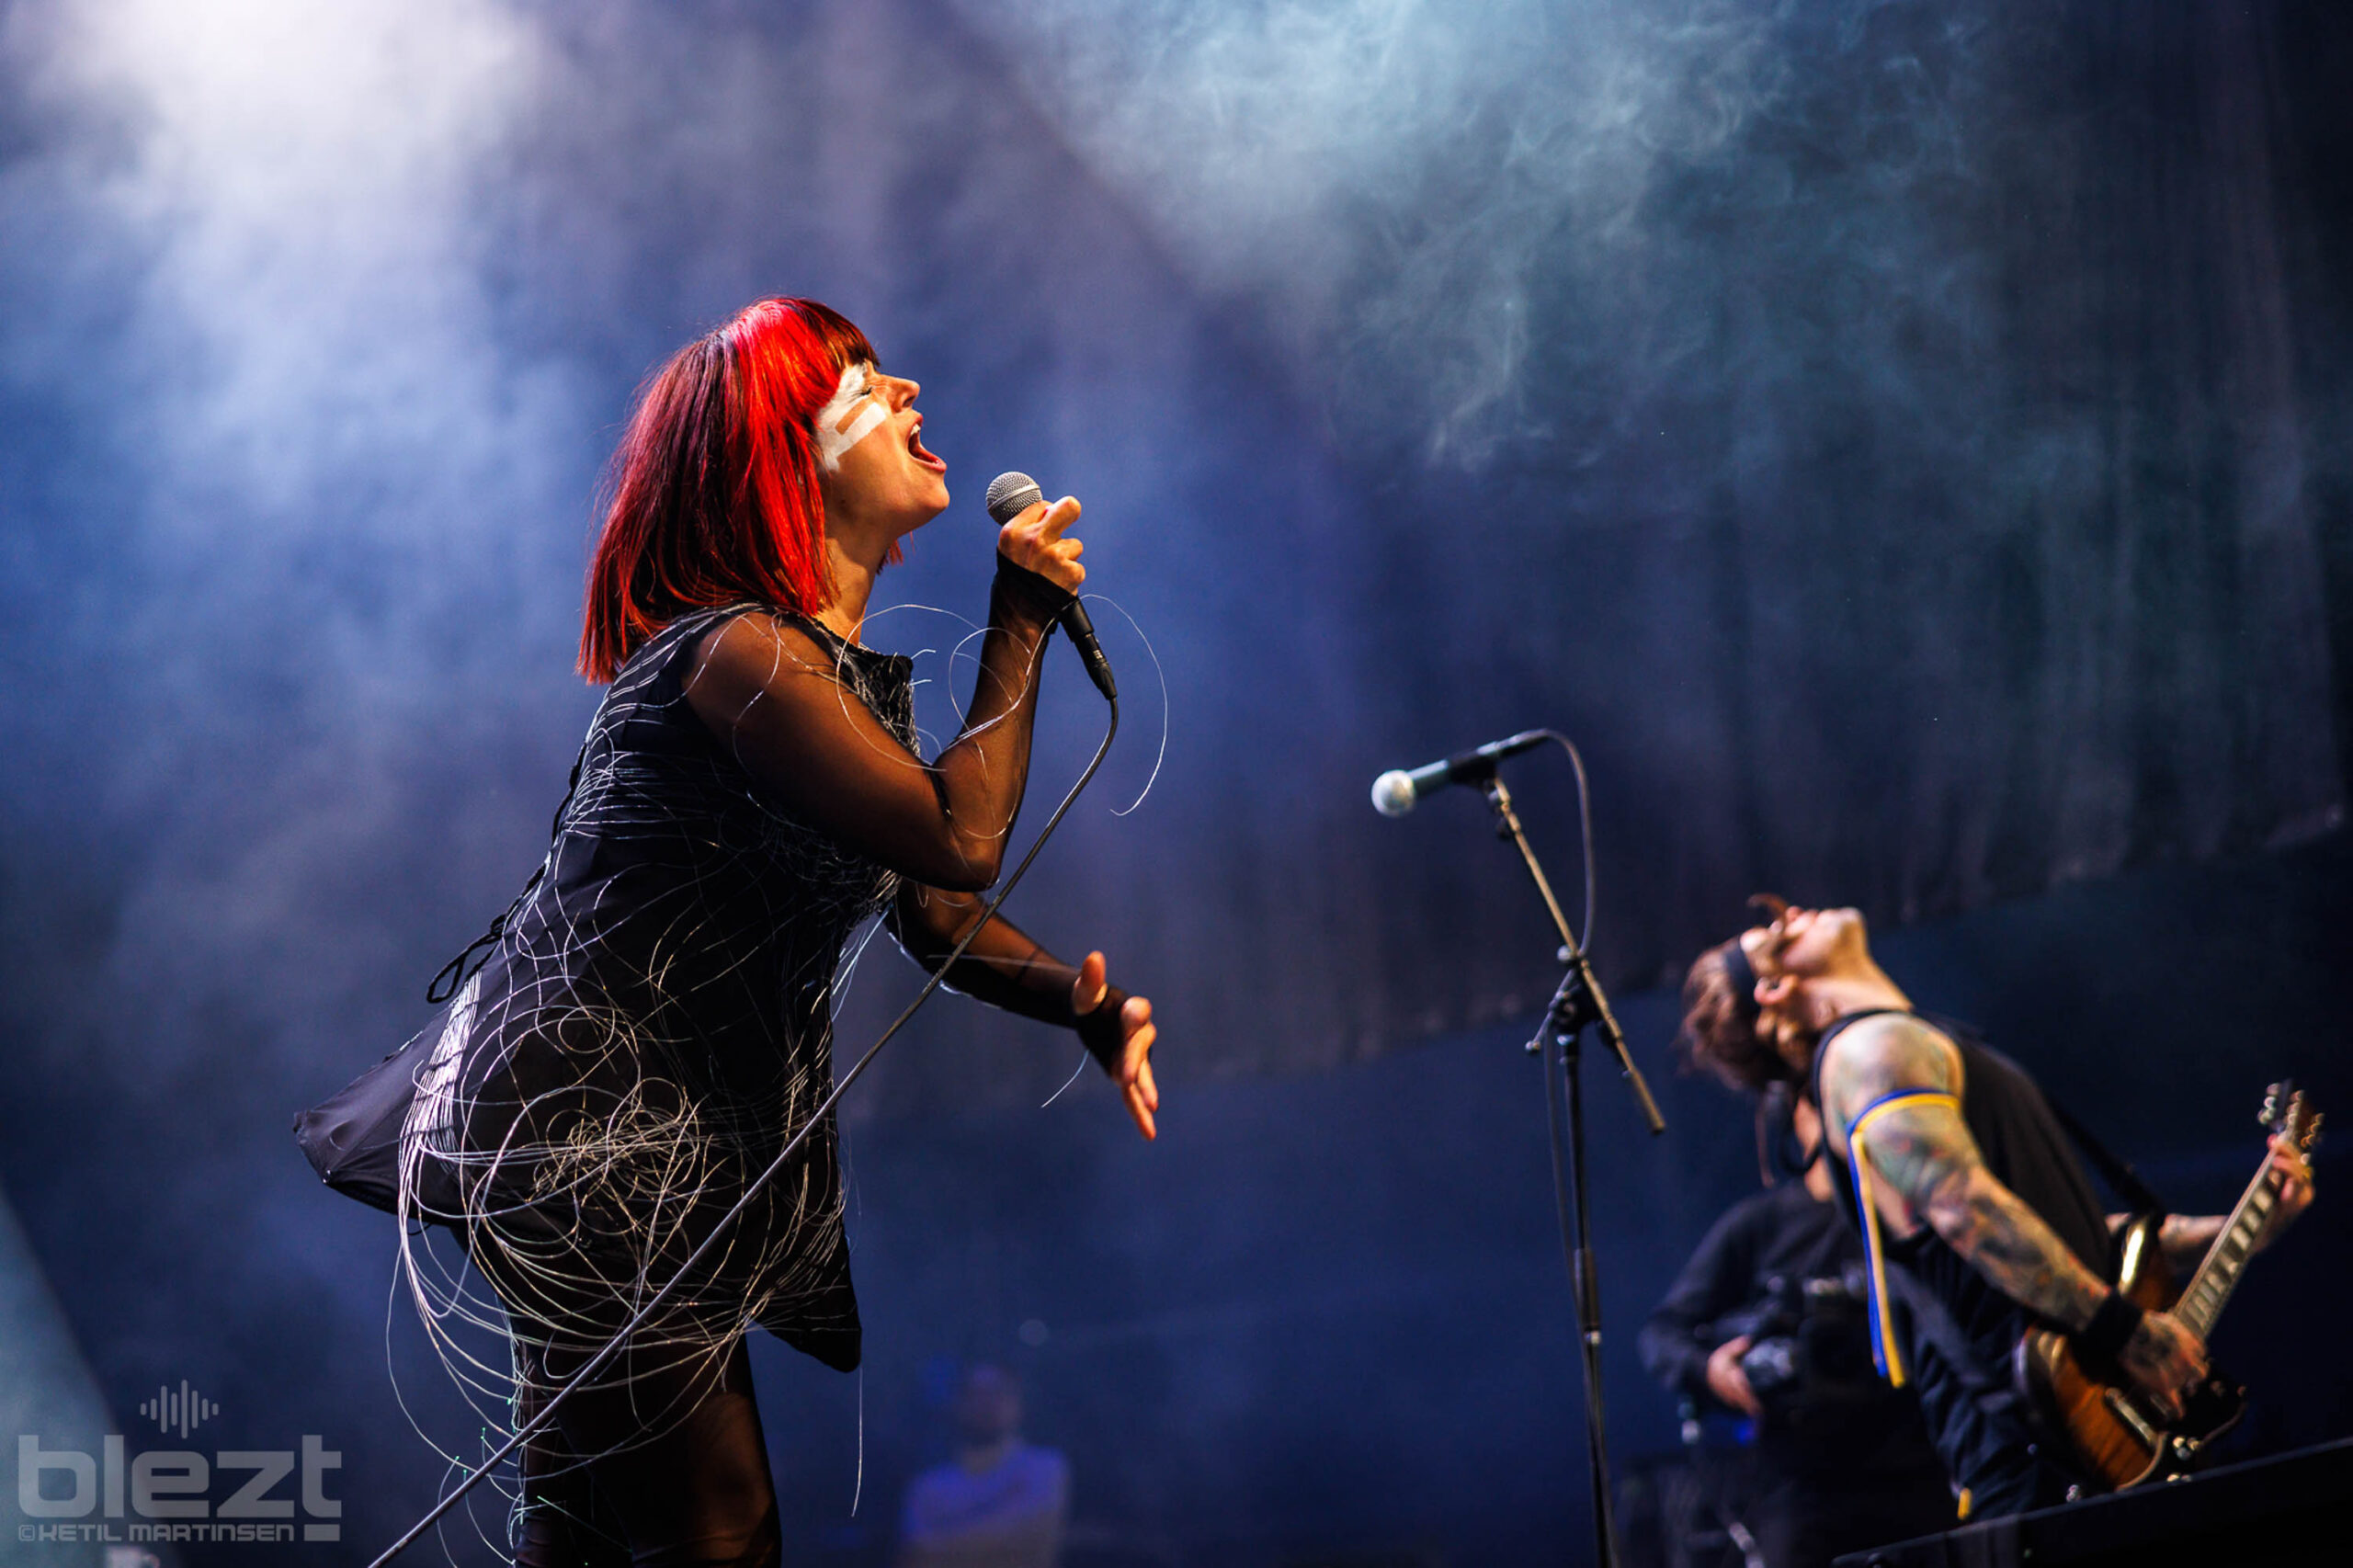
[(654, 1020)]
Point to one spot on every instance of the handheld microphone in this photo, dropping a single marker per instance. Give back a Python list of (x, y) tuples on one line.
[(1011, 494), (1398, 790)]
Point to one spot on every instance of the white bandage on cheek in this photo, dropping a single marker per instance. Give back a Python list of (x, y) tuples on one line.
[(832, 443)]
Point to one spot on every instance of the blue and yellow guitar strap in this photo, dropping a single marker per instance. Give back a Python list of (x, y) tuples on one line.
[(1884, 1348)]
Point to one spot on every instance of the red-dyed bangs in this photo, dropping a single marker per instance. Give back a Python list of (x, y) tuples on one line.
[(715, 485)]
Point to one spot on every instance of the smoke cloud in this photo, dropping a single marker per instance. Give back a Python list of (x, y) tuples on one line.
[(1403, 188)]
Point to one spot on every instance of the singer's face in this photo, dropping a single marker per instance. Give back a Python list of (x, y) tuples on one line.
[(888, 482)]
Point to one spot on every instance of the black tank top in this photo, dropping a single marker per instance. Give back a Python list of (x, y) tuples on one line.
[(2028, 1151)]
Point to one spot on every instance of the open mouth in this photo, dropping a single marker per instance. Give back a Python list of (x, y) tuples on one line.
[(916, 449)]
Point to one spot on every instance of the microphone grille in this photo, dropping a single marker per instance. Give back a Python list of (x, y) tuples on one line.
[(1393, 793), (1011, 494)]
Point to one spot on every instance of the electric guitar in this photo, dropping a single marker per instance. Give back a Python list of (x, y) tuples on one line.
[(2098, 1414)]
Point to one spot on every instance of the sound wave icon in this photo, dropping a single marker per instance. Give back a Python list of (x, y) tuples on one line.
[(183, 1409)]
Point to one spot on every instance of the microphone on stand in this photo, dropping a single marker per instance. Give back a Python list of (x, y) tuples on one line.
[(1398, 790), (1011, 494)]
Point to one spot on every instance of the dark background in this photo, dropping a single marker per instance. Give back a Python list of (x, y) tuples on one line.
[(1907, 446)]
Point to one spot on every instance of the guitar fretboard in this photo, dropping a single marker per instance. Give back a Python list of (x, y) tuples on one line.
[(2202, 1302)]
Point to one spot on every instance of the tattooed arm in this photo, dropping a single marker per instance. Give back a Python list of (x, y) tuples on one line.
[(1929, 1171), (2183, 1238)]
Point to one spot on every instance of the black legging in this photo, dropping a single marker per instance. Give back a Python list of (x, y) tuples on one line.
[(696, 1494)]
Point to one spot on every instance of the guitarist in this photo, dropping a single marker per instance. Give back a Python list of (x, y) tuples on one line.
[(1977, 1216)]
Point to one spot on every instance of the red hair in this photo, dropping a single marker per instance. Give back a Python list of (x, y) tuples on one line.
[(714, 483)]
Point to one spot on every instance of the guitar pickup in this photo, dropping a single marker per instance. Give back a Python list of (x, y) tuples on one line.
[(2122, 1405)]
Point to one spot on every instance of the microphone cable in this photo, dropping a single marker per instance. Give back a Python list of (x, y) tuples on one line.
[(597, 1363), (1585, 831)]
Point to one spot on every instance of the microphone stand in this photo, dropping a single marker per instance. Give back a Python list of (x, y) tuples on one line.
[(1579, 1003)]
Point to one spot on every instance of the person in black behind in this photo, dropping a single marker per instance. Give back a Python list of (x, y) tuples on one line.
[(1767, 1320)]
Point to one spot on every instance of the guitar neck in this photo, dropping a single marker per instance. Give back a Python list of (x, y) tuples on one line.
[(2210, 1288)]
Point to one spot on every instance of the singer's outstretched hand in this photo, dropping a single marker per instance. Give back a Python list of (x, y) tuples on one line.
[(1133, 1074), (1034, 540)]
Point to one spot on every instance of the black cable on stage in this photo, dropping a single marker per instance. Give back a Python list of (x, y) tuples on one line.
[(597, 1363)]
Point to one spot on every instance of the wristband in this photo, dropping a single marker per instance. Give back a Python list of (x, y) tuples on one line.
[(1100, 1031), (2104, 1338)]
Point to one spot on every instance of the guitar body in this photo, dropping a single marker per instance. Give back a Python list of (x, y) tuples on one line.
[(2097, 1416)]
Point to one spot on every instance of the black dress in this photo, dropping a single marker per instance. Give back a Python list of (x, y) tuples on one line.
[(654, 1025)]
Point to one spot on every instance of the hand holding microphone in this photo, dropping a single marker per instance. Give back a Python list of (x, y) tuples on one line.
[(1029, 534)]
